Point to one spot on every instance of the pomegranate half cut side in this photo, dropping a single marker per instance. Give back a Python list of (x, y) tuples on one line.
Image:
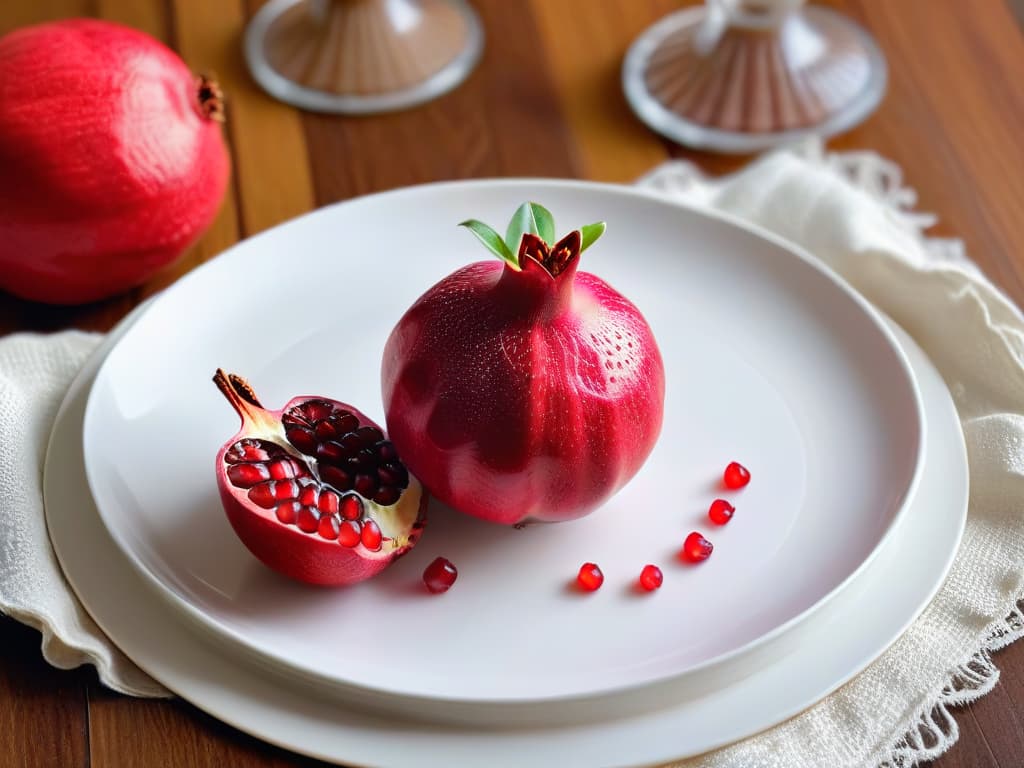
[(315, 490)]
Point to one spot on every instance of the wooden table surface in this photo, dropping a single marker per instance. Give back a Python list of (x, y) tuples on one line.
[(545, 101)]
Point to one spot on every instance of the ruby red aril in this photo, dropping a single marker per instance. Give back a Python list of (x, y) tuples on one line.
[(112, 156), (721, 511), (440, 575), (735, 476), (523, 389), (696, 548), (287, 483), (651, 577), (590, 577)]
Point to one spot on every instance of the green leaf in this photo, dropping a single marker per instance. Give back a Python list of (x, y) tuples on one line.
[(492, 240), (545, 223), (590, 233), (521, 223)]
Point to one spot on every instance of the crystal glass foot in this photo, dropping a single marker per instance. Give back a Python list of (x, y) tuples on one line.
[(362, 56), (745, 75)]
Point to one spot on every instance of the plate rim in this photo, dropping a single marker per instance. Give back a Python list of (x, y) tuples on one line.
[(225, 633)]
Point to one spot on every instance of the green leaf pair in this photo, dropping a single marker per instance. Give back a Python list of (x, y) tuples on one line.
[(529, 218)]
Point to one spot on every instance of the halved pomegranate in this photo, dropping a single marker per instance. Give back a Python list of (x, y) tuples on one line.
[(315, 490)]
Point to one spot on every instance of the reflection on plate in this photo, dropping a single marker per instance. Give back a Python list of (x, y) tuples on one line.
[(769, 360), (880, 603)]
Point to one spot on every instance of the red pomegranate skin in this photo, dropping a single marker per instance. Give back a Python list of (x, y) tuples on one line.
[(517, 396), (111, 166)]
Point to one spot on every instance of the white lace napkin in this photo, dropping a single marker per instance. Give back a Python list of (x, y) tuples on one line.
[(35, 372), (850, 210)]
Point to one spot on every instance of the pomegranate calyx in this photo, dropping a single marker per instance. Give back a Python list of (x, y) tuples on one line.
[(210, 98), (531, 233)]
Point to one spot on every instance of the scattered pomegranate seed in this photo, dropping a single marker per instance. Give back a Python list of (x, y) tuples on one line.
[(721, 511), (440, 575), (590, 577), (736, 476), (651, 577), (696, 548)]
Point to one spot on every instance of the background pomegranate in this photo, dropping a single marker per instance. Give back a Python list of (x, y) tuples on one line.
[(112, 159), (315, 490), (524, 389)]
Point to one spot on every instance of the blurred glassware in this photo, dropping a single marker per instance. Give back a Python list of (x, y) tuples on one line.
[(362, 56), (740, 76)]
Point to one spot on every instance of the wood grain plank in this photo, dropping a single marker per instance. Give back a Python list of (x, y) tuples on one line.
[(149, 16), (504, 120), (14, 15), (126, 733), (951, 120), (585, 50), (43, 719)]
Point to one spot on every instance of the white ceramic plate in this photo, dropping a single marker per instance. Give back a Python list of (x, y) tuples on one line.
[(770, 360), (879, 604)]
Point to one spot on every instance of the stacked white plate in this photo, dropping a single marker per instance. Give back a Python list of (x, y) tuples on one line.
[(856, 507)]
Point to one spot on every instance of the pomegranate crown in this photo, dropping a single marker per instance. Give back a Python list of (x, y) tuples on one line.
[(531, 235)]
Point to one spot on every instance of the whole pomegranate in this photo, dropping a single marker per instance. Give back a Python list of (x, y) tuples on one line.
[(315, 490), (524, 389), (111, 159)]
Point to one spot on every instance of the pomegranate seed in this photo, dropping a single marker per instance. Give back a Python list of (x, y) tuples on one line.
[(302, 438), (736, 476), (721, 511), (267, 495), (283, 469), (590, 577), (393, 474), (247, 450), (369, 436), (262, 495), (696, 548), (308, 519), (349, 533), (336, 476), (316, 410), (366, 485), (440, 575), (288, 511), (386, 451), (387, 496), (328, 502), (248, 475), (308, 496), (650, 577), (331, 451), (330, 527), (344, 422), (326, 430), (352, 507), (371, 536), (293, 417), (351, 442)]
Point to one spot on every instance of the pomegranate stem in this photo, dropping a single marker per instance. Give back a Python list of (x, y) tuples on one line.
[(244, 401)]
